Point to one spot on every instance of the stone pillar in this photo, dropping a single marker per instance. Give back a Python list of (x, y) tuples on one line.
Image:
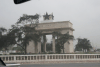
[(82, 56), (32, 47), (8, 58), (53, 43), (52, 56), (27, 57), (36, 57), (74, 56), (45, 57), (63, 56), (69, 57), (96, 56), (36, 48), (24, 58), (20, 57), (89, 56), (39, 47), (44, 42), (49, 56), (79, 57)]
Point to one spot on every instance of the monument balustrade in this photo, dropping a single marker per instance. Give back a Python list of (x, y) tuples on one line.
[(48, 57)]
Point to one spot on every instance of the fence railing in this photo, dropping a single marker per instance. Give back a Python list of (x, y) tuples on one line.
[(49, 57)]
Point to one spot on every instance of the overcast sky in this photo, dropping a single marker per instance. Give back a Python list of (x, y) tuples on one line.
[(84, 14)]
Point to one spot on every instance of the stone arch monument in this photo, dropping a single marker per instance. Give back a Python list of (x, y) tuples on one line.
[(48, 27)]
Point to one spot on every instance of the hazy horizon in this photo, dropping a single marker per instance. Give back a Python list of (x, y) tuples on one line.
[(83, 14)]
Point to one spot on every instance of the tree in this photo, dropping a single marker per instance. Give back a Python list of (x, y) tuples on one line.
[(18, 49), (64, 38), (83, 44), (61, 40), (8, 38), (2, 30), (48, 46), (58, 46), (24, 30), (3, 38), (21, 33)]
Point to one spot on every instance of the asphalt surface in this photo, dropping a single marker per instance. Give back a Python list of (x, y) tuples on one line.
[(63, 65)]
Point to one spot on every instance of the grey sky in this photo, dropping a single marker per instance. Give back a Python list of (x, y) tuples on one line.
[(84, 14)]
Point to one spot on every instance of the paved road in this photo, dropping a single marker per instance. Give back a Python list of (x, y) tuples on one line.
[(64, 65)]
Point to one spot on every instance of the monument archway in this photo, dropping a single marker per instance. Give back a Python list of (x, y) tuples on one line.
[(48, 28)]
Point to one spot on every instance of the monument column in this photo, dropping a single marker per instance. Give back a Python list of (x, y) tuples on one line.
[(39, 47), (53, 43), (44, 42)]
